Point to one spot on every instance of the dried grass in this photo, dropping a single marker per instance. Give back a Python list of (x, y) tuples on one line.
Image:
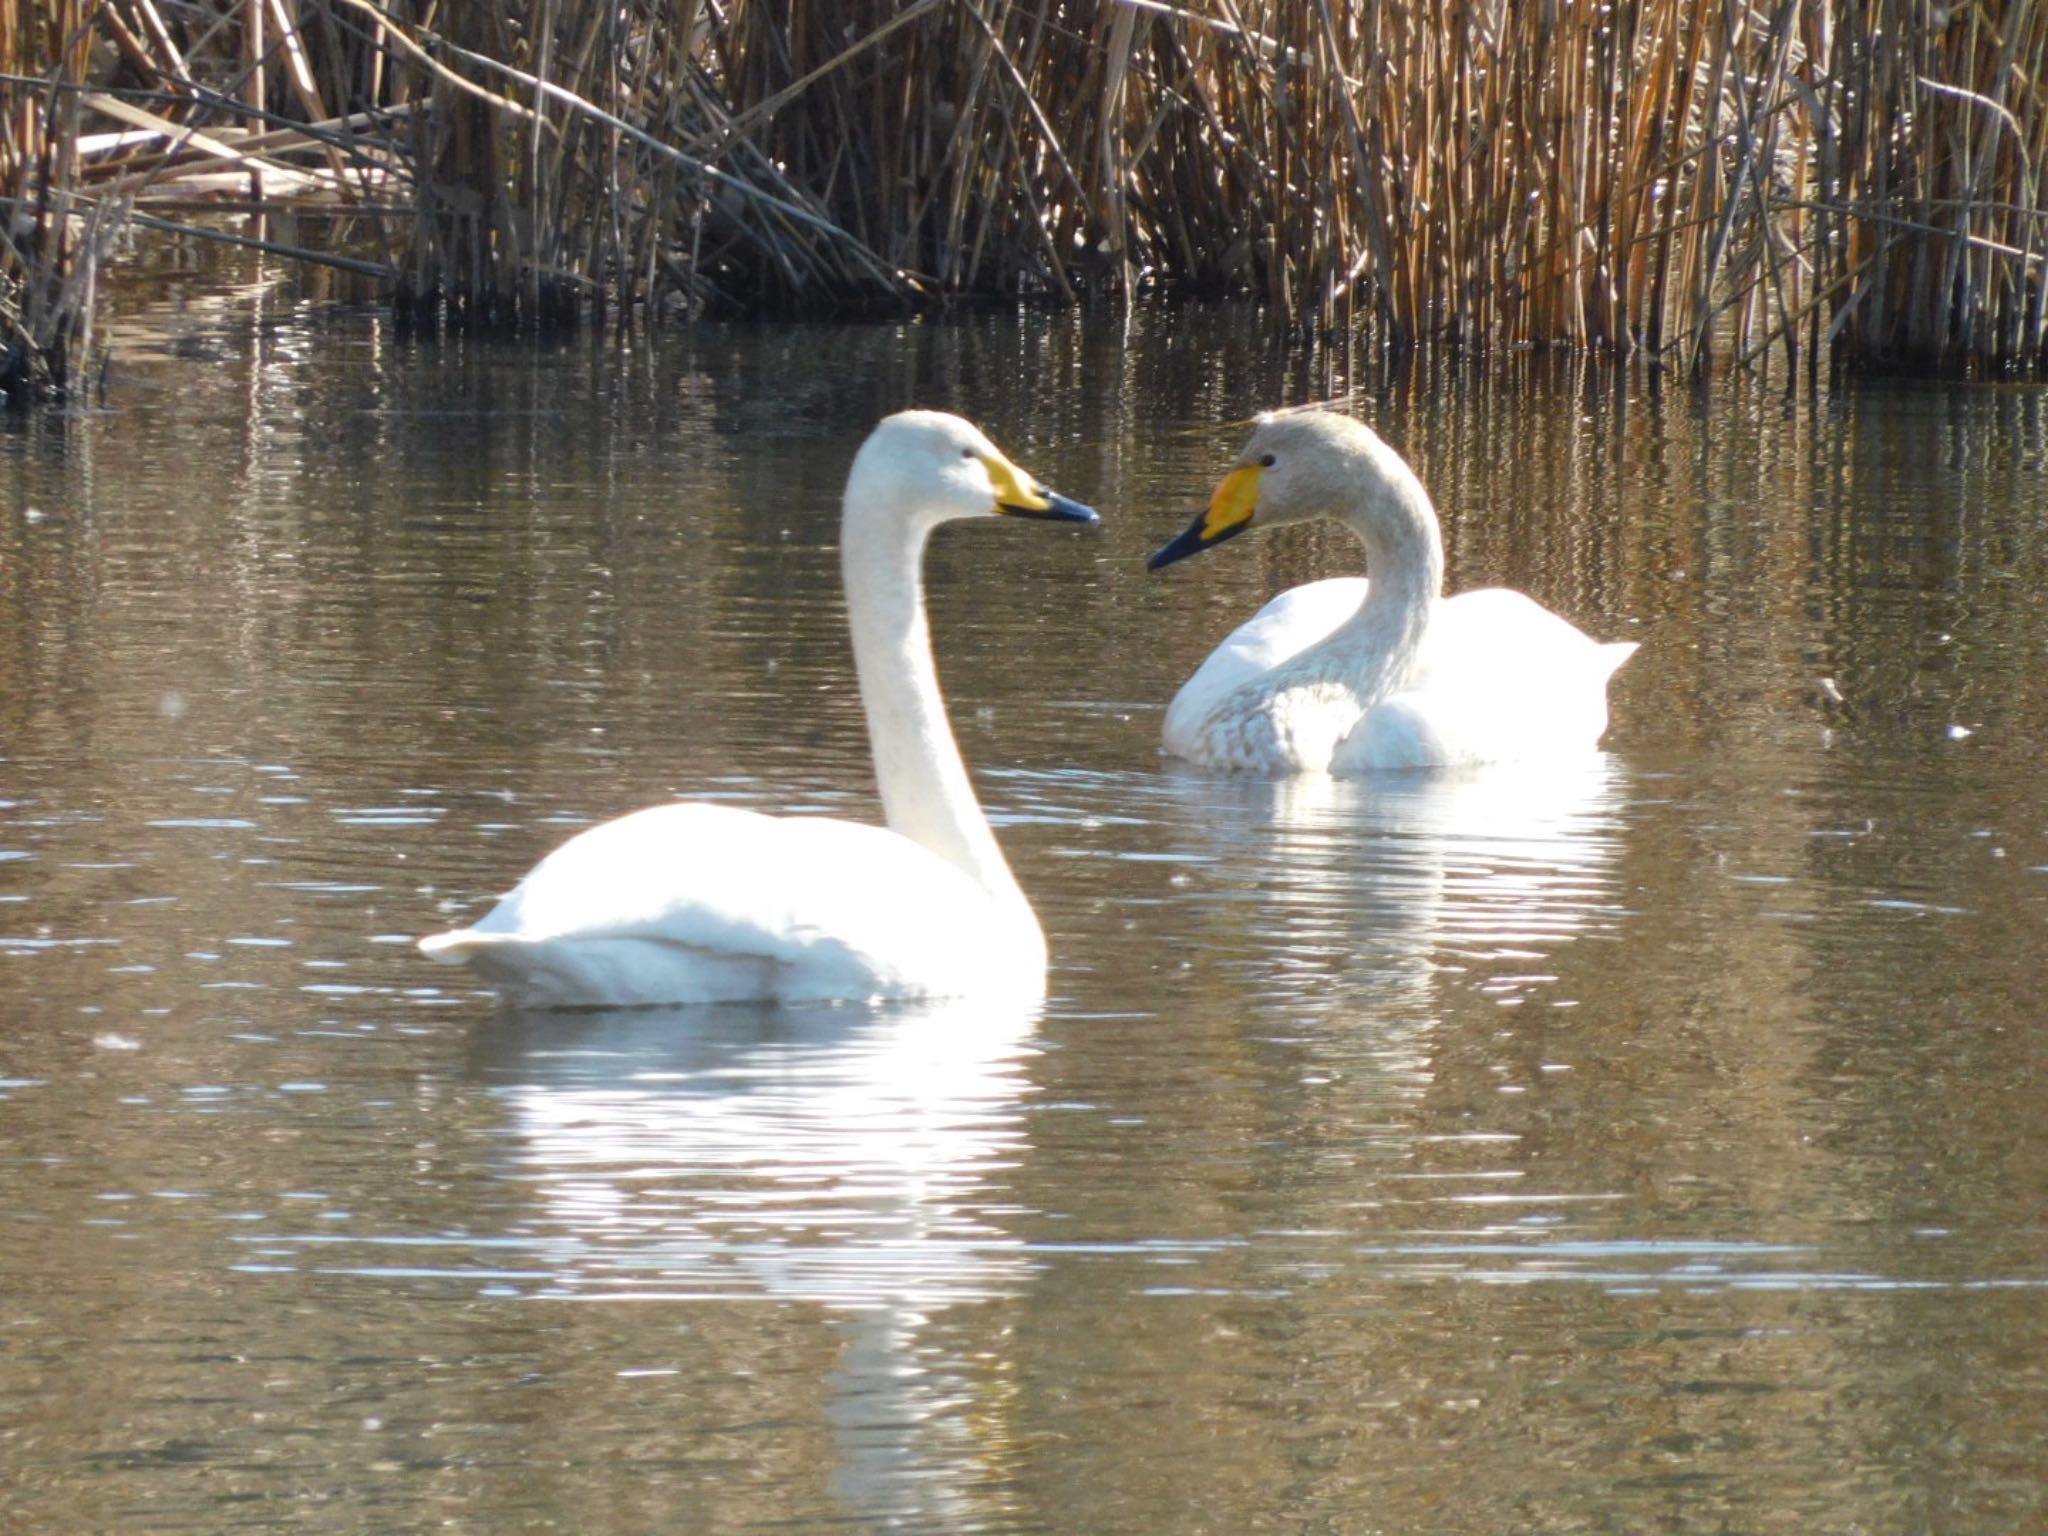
[(1856, 181)]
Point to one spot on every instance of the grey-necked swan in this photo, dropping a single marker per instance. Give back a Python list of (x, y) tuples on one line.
[(1351, 676)]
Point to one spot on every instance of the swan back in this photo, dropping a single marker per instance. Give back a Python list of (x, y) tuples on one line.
[(703, 903), (1498, 678)]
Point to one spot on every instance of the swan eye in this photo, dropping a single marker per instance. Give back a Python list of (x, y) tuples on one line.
[(966, 453), (1266, 462)]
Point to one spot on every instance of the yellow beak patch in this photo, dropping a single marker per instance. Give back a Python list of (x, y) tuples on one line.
[(1015, 491), (1233, 504), (1021, 496), (1229, 512)]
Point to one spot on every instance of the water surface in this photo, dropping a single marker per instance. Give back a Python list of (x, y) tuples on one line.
[(1651, 1145)]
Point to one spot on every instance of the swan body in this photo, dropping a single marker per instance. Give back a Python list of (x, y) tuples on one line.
[(704, 903), (1352, 676)]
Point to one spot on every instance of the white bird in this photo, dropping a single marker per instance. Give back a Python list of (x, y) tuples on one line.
[(700, 903), (1348, 676)]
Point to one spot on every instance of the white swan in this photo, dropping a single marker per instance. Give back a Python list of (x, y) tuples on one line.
[(1348, 676), (696, 903)]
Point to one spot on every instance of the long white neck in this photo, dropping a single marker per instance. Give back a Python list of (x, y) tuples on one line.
[(926, 794)]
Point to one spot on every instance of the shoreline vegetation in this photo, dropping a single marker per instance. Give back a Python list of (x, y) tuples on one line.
[(1774, 185)]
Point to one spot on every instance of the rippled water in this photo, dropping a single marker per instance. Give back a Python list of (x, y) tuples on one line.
[(1651, 1145)]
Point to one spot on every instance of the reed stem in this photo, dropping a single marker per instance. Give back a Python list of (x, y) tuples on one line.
[(1697, 179)]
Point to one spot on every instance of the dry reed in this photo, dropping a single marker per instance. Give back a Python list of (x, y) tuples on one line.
[(49, 255), (1761, 181)]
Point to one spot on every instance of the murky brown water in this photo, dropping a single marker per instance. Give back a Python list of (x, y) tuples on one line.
[(1658, 1147)]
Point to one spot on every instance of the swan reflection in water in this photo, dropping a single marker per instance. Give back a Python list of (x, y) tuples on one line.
[(848, 1158), (1383, 882)]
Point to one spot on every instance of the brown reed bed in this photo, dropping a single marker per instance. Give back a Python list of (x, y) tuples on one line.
[(1763, 182), (48, 256)]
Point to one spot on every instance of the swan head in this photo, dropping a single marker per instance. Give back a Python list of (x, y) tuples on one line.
[(1298, 465), (930, 467)]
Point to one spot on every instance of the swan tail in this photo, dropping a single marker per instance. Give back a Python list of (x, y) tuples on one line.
[(503, 959), (457, 946)]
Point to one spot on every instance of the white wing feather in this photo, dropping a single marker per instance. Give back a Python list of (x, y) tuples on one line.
[(1500, 678), (1285, 627)]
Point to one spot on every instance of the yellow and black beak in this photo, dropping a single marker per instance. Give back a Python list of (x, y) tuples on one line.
[(1018, 495), (1229, 514)]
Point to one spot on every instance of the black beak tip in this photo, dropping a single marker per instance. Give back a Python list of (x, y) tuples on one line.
[(1188, 542), (1072, 511), (1059, 509)]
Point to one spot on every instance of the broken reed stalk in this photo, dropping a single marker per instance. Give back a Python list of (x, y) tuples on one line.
[(1697, 179), (52, 242)]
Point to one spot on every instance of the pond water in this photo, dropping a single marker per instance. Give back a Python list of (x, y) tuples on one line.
[(1655, 1145)]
